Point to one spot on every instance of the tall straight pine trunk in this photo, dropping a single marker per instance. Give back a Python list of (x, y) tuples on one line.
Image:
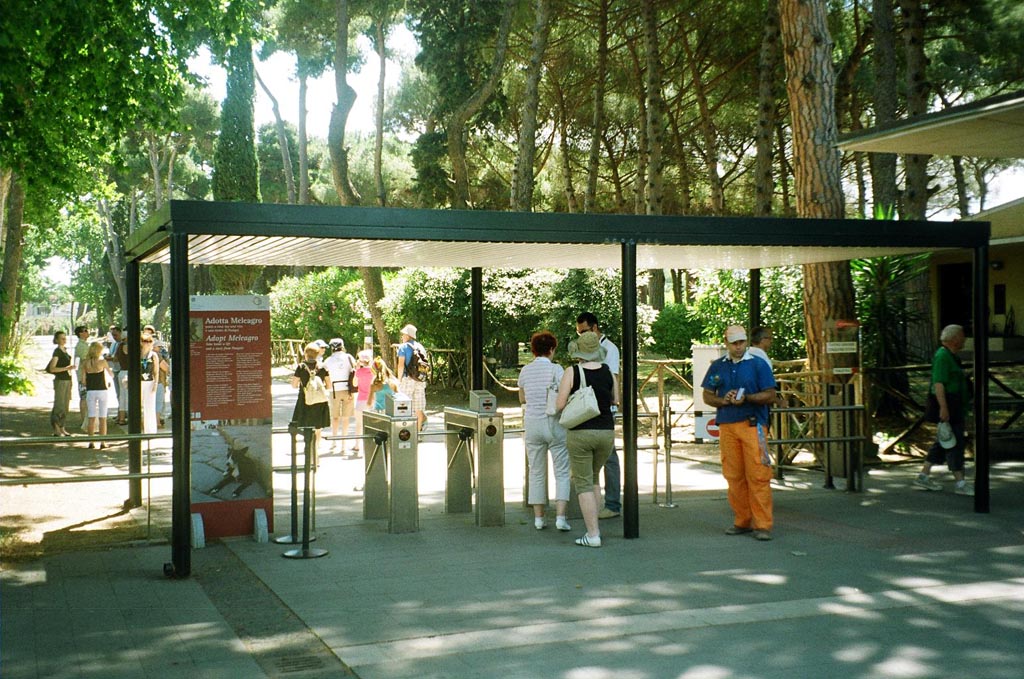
[(810, 84)]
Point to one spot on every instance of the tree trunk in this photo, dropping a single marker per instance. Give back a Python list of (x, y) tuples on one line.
[(522, 183), (380, 40), (374, 288), (155, 165), (807, 46), (565, 158), (462, 113), (5, 188), (707, 128), (915, 201), (10, 280), (303, 138), (656, 284), (597, 124), (115, 254), (677, 286), (920, 339), (282, 140), (613, 168), (767, 108), (339, 114), (883, 165), (655, 119)]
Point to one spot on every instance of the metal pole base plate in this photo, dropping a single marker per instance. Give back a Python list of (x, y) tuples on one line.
[(311, 553), (292, 540)]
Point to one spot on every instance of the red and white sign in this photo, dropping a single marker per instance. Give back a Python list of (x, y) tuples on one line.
[(705, 428), (232, 412)]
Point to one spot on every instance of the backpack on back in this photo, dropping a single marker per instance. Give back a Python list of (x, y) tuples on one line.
[(419, 364)]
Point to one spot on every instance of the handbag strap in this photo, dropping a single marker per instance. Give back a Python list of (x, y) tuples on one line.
[(583, 377)]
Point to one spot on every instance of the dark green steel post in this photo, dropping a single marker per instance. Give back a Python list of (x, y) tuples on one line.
[(477, 331), (981, 456), (631, 497), (181, 515), (754, 301), (133, 333)]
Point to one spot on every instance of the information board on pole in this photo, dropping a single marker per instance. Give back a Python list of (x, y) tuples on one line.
[(231, 411)]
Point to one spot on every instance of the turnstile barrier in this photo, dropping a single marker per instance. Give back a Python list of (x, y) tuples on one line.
[(391, 488), (475, 464)]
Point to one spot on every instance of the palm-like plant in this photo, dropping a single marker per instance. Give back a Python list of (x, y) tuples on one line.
[(885, 314)]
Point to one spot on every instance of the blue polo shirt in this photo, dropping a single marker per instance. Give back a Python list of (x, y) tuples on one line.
[(750, 373)]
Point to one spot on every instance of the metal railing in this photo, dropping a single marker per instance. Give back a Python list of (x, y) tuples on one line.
[(147, 476)]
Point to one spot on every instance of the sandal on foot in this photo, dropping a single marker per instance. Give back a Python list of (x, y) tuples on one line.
[(588, 541)]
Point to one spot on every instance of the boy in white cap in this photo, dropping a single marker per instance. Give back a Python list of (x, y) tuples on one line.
[(410, 354)]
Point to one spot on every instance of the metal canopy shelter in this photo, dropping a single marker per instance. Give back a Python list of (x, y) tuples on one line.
[(988, 128), (992, 128), (190, 232)]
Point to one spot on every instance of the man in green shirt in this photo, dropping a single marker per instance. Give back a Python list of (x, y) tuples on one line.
[(949, 385)]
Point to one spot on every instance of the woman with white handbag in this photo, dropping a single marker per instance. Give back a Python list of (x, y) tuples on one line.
[(585, 398), (538, 392)]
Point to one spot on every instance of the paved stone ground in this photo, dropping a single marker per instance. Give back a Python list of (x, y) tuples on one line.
[(892, 582)]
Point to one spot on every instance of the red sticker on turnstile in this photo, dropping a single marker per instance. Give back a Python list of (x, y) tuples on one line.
[(712, 428)]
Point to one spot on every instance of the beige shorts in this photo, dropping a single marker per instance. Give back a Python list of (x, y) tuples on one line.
[(342, 404)]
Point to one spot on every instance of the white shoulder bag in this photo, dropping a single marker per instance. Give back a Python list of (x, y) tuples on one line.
[(552, 394), (582, 405)]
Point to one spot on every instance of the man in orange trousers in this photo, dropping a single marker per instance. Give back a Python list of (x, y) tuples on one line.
[(741, 386)]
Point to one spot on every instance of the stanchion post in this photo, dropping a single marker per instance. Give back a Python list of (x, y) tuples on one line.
[(306, 552), (293, 537), (668, 504)]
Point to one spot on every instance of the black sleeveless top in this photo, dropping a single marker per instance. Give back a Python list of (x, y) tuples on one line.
[(63, 361), (96, 381), (602, 382)]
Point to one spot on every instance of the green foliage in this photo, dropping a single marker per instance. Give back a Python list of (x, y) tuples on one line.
[(516, 304), (273, 187), (720, 298), (456, 38), (236, 173), (598, 291), (430, 159), (675, 330), (321, 305), (886, 314), (396, 168), (436, 301), (13, 379)]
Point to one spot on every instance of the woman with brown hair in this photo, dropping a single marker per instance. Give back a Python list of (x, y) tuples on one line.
[(61, 367), (538, 388)]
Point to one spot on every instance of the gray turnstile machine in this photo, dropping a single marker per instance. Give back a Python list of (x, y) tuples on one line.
[(475, 438), (391, 490)]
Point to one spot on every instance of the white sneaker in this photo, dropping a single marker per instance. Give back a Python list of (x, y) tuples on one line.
[(922, 481), (963, 488), (562, 524), (539, 523)]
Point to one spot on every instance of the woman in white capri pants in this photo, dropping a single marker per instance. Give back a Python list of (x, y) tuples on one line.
[(538, 389)]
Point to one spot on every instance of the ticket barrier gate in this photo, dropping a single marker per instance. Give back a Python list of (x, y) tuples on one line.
[(475, 440), (391, 489)]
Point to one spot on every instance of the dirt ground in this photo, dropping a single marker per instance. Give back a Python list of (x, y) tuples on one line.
[(45, 519)]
